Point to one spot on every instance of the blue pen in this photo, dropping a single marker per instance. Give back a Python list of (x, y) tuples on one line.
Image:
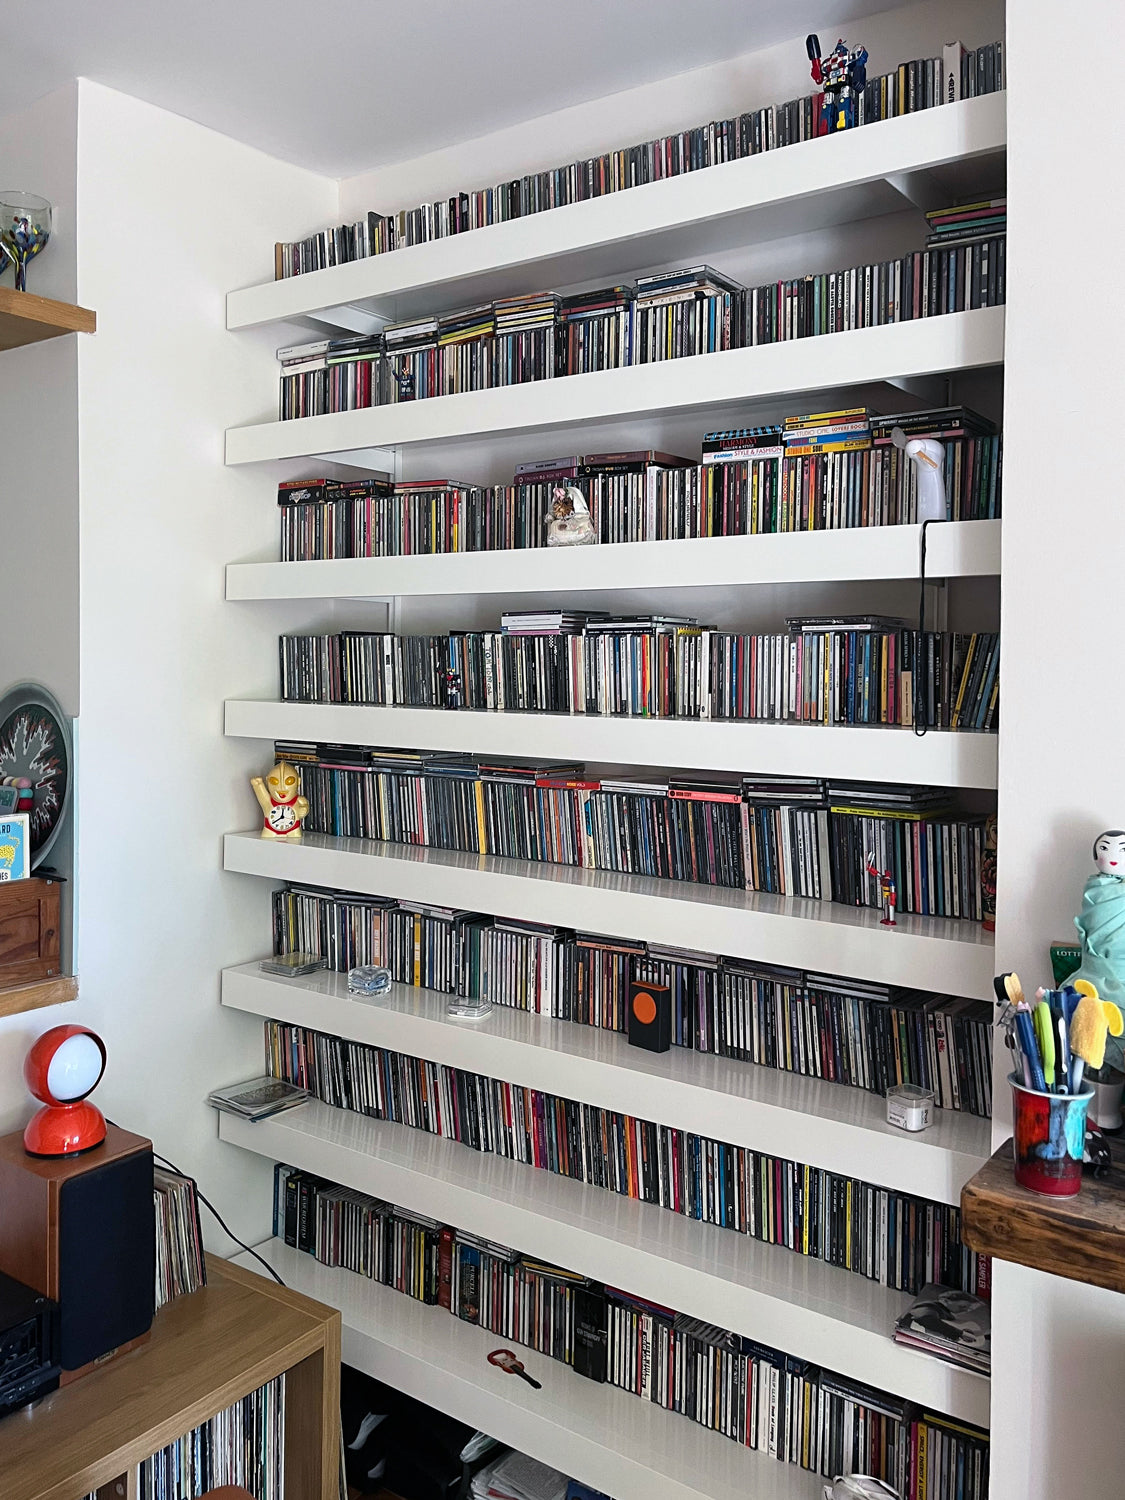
[(1026, 1034)]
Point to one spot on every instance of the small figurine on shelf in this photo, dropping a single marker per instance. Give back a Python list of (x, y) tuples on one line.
[(1101, 926), (454, 691), (887, 892), (843, 76), (283, 808), (571, 524), (404, 380)]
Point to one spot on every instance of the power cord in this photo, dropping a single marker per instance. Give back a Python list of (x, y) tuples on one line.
[(920, 725)]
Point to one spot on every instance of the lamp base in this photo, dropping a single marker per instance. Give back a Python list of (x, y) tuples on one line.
[(64, 1129)]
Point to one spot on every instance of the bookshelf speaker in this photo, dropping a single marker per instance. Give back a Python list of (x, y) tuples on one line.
[(650, 1016), (81, 1229)]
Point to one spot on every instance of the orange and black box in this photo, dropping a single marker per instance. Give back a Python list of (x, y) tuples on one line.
[(650, 1016)]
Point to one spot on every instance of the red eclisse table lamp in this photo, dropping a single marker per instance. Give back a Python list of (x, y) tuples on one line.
[(63, 1066)]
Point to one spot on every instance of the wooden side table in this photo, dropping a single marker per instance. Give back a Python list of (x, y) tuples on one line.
[(206, 1352)]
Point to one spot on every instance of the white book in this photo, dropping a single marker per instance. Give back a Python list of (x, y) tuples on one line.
[(952, 55)]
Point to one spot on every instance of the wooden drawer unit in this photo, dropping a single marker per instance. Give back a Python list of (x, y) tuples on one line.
[(29, 930)]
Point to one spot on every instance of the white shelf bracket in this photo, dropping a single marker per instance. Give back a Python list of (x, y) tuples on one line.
[(349, 315), (932, 389), (920, 189), (382, 460)]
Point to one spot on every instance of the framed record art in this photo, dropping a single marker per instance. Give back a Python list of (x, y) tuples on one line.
[(35, 746)]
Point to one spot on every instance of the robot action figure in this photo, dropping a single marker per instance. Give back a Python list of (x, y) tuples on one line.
[(842, 75)]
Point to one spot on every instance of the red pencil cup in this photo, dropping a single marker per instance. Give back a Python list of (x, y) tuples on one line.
[(1049, 1138)]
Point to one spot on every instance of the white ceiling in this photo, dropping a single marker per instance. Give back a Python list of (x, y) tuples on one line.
[(343, 85)]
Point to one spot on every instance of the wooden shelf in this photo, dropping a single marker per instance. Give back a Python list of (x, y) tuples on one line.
[(793, 1302), (23, 997), (1081, 1238), (956, 958), (816, 184), (707, 385), (953, 759), (957, 549), (824, 1124), (28, 319), (206, 1352), (605, 1437)]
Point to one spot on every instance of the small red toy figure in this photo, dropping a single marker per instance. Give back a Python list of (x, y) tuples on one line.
[(886, 891)]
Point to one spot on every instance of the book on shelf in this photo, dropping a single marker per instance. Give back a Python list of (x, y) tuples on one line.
[(181, 1267), (746, 483), (257, 1099), (243, 1445), (885, 1235), (827, 670), (758, 1396), (694, 311), (922, 83), (553, 812), (950, 1324)]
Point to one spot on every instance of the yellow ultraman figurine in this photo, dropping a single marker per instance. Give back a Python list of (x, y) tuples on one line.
[(283, 809)]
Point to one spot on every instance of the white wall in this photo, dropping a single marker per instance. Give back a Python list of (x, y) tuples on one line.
[(160, 649), (749, 81), (39, 477), (1058, 1353)]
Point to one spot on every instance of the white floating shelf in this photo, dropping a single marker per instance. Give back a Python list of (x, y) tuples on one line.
[(809, 186), (858, 752), (958, 549), (792, 1302), (956, 958), (823, 1124), (607, 1438), (711, 382)]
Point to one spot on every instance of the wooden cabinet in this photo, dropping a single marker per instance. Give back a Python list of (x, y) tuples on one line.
[(206, 1352)]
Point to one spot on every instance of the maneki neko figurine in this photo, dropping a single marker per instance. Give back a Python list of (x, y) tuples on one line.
[(283, 808)]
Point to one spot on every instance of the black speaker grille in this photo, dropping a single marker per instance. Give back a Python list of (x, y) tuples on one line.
[(107, 1258)]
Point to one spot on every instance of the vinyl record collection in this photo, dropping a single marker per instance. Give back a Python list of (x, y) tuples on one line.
[(747, 484), (691, 311), (887, 1236), (244, 1445), (847, 1031), (822, 670), (796, 836), (958, 74), (758, 1396), (180, 1264)]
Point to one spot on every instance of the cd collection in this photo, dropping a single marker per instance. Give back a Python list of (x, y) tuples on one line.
[(748, 483), (692, 311), (243, 1445), (180, 1264), (921, 84), (822, 670), (890, 1237), (760, 1397), (847, 1031), (790, 836)]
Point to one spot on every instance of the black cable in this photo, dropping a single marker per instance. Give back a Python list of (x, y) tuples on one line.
[(920, 725)]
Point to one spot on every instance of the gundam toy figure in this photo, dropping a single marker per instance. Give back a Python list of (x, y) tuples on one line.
[(842, 75)]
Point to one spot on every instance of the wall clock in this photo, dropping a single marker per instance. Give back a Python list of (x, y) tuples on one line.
[(35, 742)]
